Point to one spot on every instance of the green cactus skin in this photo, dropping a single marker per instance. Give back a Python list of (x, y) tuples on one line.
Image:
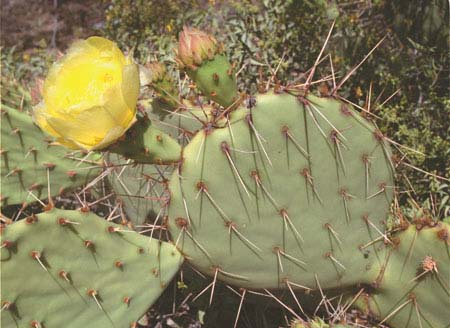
[(216, 79), (202, 57), (412, 288), (146, 144), (270, 199), (141, 189), (30, 163), (53, 265)]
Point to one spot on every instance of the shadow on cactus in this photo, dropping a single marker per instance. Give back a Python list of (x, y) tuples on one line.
[(287, 193)]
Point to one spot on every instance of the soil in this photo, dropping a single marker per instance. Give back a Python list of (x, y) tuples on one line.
[(27, 24)]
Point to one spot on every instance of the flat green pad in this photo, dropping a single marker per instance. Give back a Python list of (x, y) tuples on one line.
[(141, 188), (74, 261), (251, 206), (29, 162), (216, 79), (146, 144), (408, 294)]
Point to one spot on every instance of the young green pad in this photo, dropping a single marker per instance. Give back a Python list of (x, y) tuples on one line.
[(201, 56), (413, 287), (146, 144), (216, 79), (288, 193), (69, 268), (30, 163)]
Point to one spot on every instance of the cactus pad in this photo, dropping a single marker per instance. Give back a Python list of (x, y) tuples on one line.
[(30, 163), (216, 79), (202, 57), (289, 192), (146, 144), (413, 286), (69, 268)]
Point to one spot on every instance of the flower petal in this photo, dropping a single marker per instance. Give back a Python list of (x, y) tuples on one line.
[(107, 47), (130, 84), (88, 129), (40, 118), (90, 95), (80, 78)]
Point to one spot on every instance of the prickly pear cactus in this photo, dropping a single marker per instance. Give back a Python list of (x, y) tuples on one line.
[(69, 268), (412, 286), (146, 144), (202, 57), (291, 191), (32, 167), (287, 194)]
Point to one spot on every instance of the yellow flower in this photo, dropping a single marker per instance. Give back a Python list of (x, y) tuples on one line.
[(89, 95)]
